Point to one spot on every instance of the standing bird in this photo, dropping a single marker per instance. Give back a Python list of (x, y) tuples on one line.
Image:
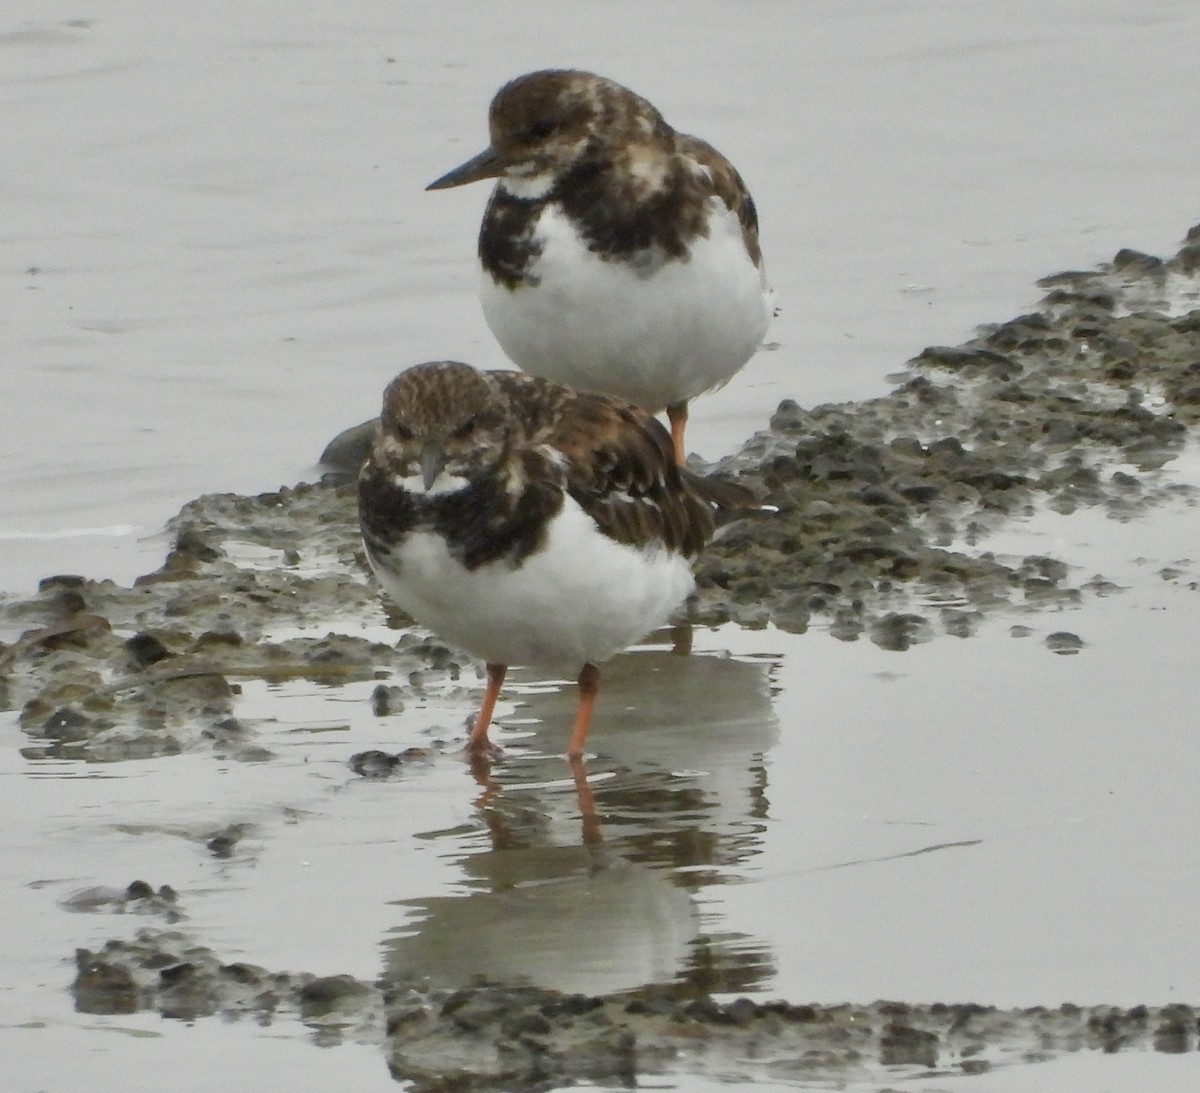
[(528, 523), (618, 255)]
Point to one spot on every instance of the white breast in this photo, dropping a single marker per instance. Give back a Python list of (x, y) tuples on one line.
[(666, 334), (579, 600)]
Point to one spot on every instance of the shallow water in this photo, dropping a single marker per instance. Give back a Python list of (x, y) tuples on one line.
[(807, 818), (219, 250)]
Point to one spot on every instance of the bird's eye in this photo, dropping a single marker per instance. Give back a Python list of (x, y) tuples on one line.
[(466, 428), (539, 130), (400, 431)]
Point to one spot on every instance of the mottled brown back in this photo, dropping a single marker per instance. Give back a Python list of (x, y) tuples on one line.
[(619, 465)]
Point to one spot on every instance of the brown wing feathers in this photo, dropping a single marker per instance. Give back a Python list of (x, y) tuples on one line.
[(619, 465)]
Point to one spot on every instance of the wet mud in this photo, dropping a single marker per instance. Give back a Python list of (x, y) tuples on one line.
[(884, 510), (500, 1036)]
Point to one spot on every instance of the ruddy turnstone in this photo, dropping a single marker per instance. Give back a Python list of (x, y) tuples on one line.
[(528, 523), (618, 255)]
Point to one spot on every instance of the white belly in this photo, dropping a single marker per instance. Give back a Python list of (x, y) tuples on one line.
[(674, 333), (578, 601)]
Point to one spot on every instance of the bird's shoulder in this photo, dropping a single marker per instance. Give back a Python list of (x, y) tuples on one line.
[(726, 184), (614, 459)]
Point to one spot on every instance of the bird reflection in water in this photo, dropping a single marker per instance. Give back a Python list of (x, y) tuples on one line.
[(481, 763), (676, 802)]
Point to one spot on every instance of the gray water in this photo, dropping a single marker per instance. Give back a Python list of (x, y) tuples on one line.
[(215, 251)]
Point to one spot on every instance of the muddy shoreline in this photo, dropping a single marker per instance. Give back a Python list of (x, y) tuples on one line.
[(501, 1036), (885, 508)]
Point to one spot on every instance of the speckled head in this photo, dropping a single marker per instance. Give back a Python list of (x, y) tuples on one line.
[(442, 416), (544, 122)]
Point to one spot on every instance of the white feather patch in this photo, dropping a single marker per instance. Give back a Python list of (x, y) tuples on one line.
[(444, 483), (579, 600), (653, 335)]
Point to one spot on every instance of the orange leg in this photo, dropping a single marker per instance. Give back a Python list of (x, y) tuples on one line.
[(498, 827), (589, 687), (677, 414), (478, 740), (592, 831)]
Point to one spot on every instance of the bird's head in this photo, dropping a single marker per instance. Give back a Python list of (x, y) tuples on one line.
[(442, 425), (543, 123)]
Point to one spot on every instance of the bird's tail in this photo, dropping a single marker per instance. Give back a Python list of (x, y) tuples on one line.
[(725, 495)]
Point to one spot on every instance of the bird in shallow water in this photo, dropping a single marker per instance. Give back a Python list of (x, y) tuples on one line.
[(530, 524), (617, 254)]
